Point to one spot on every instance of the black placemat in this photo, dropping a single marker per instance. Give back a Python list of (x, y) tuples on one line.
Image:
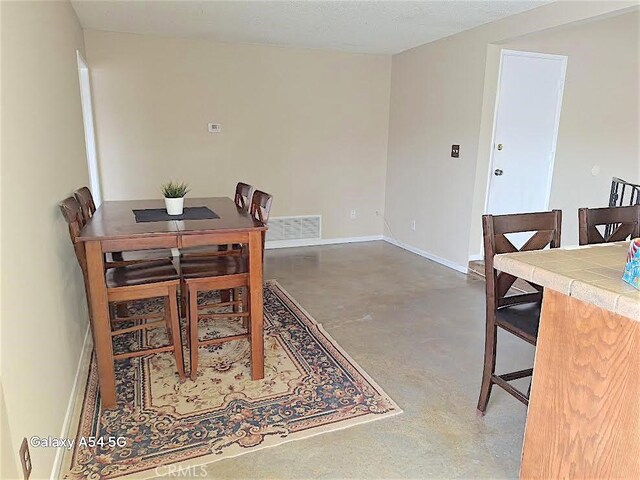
[(161, 215)]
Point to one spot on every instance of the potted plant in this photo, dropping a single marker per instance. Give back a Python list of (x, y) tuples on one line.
[(174, 197)]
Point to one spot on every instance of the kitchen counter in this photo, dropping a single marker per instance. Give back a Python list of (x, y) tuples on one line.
[(592, 274), (583, 419)]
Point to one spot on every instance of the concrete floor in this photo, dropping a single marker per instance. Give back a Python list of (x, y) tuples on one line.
[(418, 329)]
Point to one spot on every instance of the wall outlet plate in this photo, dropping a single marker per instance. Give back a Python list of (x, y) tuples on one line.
[(214, 127), (455, 151)]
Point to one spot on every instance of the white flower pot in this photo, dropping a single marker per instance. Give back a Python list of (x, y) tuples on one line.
[(175, 206)]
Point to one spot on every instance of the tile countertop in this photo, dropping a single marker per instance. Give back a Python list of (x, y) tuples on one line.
[(592, 274)]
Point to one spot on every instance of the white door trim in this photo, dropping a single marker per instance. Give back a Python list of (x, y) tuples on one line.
[(504, 52), (89, 132)]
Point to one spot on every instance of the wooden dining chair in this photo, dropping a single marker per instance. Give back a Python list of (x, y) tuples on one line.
[(242, 199), (261, 206), (118, 259), (85, 199), (134, 282), (620, 223), (260, 210), (516, 313), (221, 273)]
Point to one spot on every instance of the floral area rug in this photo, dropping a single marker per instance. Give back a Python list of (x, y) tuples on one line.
[(311, 386)]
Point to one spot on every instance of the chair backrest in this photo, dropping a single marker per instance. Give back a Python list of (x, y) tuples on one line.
[(261, 206), (242, 197), (547, 227), (72, 213), (85, 199), (620, 223)]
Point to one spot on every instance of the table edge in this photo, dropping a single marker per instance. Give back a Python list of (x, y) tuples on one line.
[(177, 233)]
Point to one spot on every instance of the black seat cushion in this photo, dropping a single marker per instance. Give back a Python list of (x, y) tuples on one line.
[(210, 250), (137, 256), (214, 266), (141, 273), (521, 320), (201, 250)]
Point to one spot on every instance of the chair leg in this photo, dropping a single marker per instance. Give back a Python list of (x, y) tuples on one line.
[(174, 330), (193, 331), (236, 297), (167, 313), (184, 302), (489, 367), (246, 307)]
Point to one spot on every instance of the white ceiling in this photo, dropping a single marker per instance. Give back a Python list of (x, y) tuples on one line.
[(356, 26)]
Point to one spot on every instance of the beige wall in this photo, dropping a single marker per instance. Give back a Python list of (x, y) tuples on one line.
[(437, 99), (44, 315), (8, 455), (308, 126)]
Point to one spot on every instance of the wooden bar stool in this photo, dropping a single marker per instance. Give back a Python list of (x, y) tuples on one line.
[(620, 223), (242, 199), (243, 195), (118, 259), (135, 282), (87, 205), (518, 314), (221, 273), (260, 209)]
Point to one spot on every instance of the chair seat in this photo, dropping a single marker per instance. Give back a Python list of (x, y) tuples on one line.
[(210, 250), (121, 259), (214, 266), (521, 320), (140, 274)]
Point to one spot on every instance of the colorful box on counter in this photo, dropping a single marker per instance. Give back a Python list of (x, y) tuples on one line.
[(632, 269)]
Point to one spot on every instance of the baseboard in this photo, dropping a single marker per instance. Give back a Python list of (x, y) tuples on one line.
[(83, 363), (427, 255), (319, 241), (476, 258)]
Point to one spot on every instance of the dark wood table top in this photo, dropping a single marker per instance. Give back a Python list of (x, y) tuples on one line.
[(113, 220)]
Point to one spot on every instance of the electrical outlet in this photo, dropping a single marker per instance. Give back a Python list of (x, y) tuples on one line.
[(353, 214), (25, 458), (214, 127), (413, 225), (455, 151)]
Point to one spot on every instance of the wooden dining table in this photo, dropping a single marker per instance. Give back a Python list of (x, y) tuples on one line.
[(113, 228)]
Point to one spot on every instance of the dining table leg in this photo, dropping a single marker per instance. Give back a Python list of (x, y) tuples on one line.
[(256, 305), (99, 305)]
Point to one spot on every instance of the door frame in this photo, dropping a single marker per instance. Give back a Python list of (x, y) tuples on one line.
[(89, 130), (506, 52)]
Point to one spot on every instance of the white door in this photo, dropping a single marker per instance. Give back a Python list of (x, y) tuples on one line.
[(525, 132), (89, 132)]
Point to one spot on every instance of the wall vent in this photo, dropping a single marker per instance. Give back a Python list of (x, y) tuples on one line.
[(306, 227)]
